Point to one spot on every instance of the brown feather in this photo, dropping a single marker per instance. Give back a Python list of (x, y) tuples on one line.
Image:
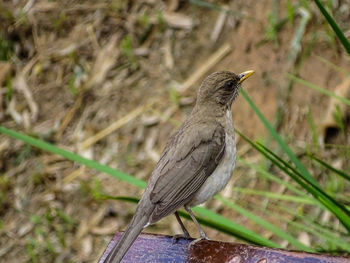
[(188, 160)]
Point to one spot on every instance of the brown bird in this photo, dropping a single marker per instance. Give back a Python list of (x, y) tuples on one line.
[(197, 161)]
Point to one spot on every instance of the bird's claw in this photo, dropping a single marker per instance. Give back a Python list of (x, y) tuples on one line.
[(178, 236), (198, 240)]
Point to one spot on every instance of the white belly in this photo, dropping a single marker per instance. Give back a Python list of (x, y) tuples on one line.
[(221, 175)]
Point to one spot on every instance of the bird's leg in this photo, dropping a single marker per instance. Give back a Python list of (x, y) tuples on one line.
[(201, 231), (185, 234)]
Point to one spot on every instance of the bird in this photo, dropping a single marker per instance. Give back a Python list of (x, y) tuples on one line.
[(196, 163)]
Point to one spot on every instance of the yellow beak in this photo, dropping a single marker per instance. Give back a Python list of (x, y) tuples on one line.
[(244, 75)]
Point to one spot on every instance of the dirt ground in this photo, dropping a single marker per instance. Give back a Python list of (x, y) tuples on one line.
[(70, 69)]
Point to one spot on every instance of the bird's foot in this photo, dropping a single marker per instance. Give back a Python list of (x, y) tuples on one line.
[(178, 236), (204, 237)]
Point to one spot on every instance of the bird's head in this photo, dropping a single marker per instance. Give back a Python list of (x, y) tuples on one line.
[(221, 87)]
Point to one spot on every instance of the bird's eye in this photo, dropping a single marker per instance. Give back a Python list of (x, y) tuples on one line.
[(229, 84)]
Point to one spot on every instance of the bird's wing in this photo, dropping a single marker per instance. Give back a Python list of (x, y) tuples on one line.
[(187, 161)]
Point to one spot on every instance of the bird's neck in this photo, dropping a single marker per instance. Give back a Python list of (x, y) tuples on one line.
[(213, 110)]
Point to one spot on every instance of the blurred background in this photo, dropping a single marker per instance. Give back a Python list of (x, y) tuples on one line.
[(111, 80)]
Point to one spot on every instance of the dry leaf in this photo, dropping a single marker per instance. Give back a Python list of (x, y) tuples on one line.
[(177, 20), (105, 59)]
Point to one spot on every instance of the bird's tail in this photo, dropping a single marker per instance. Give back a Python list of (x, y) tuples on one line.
[(138, 222)]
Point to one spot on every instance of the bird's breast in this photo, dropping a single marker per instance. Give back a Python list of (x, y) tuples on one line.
[(222, 174)]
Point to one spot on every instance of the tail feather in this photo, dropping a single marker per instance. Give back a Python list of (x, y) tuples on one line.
[(138, 222)]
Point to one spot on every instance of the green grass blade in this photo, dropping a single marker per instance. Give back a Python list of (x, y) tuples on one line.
[(278, 138), (281, 197), (266, 225), (296, 172), (340, 238), (286, 164), (319, 89), (73, 157), (268, 175), (334, 26), (332, 65), (302, 174), (331, 204), (317, 231), (277, 162), (327, 201), (328, 166), (302, 214)]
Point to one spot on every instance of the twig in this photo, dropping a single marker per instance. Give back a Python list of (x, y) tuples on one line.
[(76, 173), (21, 85), (220, 22), (69, 116)]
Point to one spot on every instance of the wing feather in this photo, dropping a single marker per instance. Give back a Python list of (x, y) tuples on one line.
[(187, 161)]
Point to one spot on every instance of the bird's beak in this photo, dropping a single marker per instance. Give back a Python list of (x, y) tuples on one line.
[(244, 75)]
